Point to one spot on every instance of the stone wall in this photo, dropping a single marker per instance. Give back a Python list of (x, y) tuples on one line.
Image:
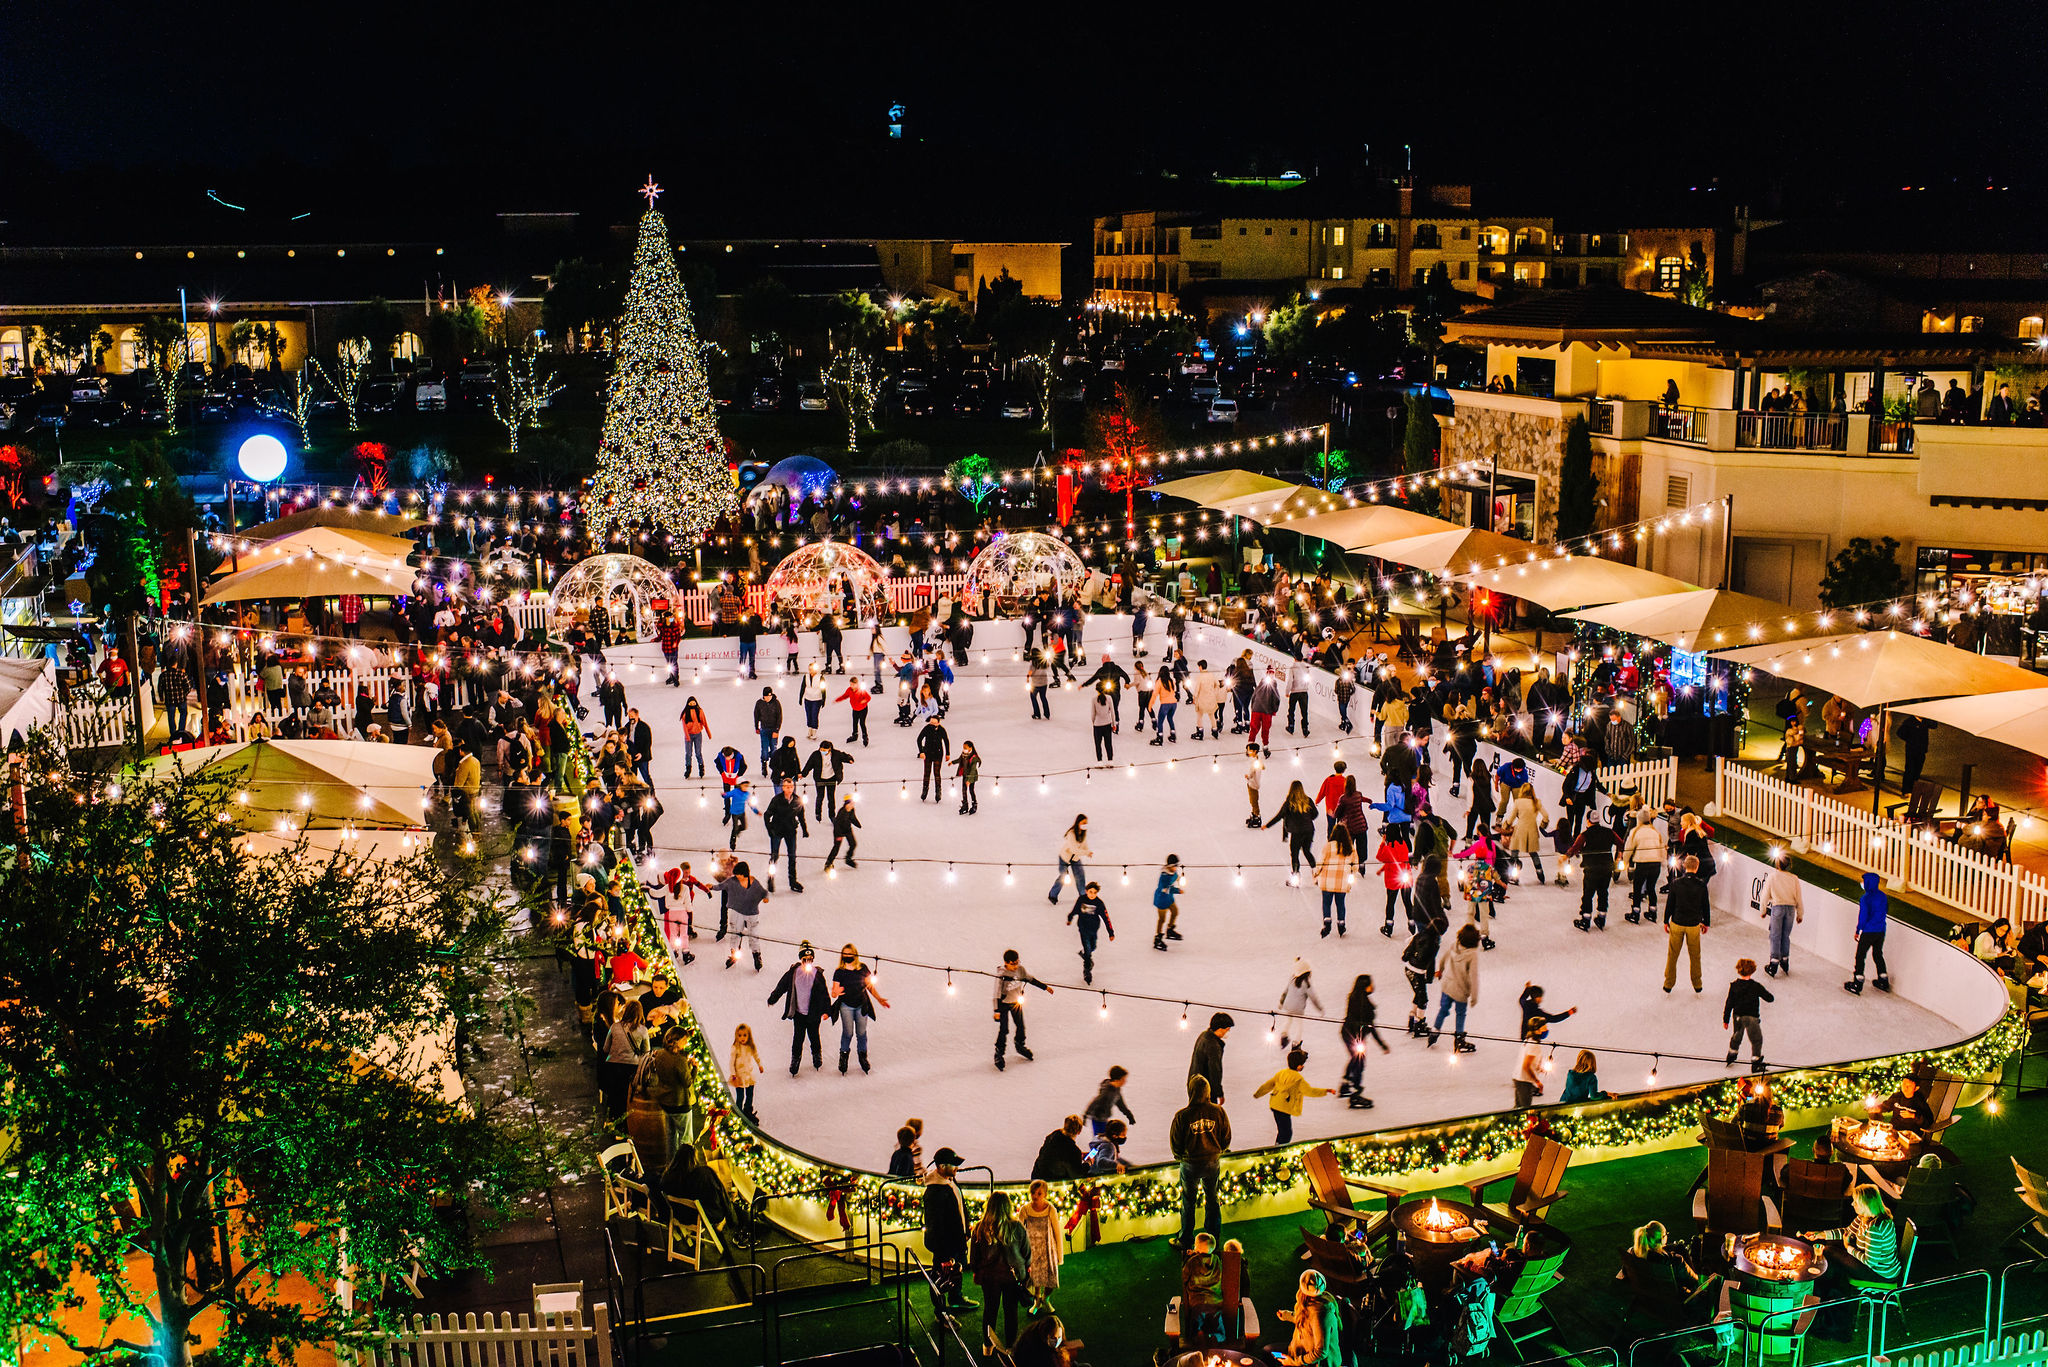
[(1527, 442)]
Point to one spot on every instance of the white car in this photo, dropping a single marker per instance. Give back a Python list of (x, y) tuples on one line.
[(431, 394), (811, 398), (1223, 410)]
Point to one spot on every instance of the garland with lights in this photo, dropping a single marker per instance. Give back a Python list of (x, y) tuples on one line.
[(1156, 1192), (661, 459), (1645, 663)]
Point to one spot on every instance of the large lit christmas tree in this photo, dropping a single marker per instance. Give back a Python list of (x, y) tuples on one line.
[(661, 460)]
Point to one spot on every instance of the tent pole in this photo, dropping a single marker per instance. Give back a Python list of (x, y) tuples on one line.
[(1877, 761), (1727, 537)]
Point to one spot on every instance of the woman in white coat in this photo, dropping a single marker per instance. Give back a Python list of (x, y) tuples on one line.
[(1296, 1000)]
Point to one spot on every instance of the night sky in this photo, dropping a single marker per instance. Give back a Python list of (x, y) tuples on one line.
[(770, 118)]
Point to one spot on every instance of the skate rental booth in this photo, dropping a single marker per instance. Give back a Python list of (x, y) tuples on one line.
[(824, 1182)]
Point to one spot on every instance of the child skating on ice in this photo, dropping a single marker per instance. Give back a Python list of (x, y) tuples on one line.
[(1088, 915), (1165, 901)]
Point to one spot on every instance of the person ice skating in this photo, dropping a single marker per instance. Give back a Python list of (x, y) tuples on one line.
[(967, 768), (1644, 854), (1483, 892), (1200, 1136), (1743, 1012), (1873, 910), (1418, 962), (854, 991), (806, 995), (1457, 969), (934, 747), (945, 1233), (1037, 679), (1336, 871), (744, 1070), (1295, 1000), (1581, 791), (731, 766), (1059, 1157), (1397, 876), (783, 819), (1527, 822), (1688, 913), (1046, 1238), (857, 699), (1205, 695), (696, 730), (826, 768), (845, 822), (878, 653), (1073, 849), (1265, 705), (745, 897), (1165, 704), (1110, 678), (1088, 914), (1166, 902), (1345, 688), (1359, 1026), (1206, 1060), (1106, 1150), (1102, 722), (1288, 1088), (1479, 816), (1011, 980), (1254, 768), (1529, 1063), (1299, 677), (1297, 821), (1141, 690), (790, 645), (1595, 849), (1330, 794), (768, 723), (1783, 908), (1109, 1096)]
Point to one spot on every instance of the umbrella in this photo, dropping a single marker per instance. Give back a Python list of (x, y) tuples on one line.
[(338, 519), (316, 783), (1361, 528), (1695, 620), (2018, 718), (1574, 581), (310, 575), (344, 544), (1220, 488), (1462, 549), (1870, 668)]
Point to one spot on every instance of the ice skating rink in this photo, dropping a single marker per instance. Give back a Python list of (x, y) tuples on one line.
[(966, 888)]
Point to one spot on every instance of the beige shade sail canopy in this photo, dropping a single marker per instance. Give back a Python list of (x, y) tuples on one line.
[(1362, 527), (2018, 718), (314, 784), (1699, 619), (1221, 488), (1459, 550), (1574, 581), (348, 546), (1869, 668), (310, 575), (335, 519)]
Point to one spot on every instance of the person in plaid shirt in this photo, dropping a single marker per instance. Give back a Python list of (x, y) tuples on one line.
[(671, 631), (352, 615)]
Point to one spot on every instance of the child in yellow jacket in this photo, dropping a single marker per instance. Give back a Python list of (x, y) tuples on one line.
[(1287, 1088)]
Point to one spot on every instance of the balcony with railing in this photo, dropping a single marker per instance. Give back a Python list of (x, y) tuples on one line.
[(1791, 431), (1891, 437), (1679, 422)]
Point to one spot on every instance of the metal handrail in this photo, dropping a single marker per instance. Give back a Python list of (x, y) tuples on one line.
[(894, 1292), (1754, 1334), (1711, 1329), (2000, 1326), (1896, 1298)]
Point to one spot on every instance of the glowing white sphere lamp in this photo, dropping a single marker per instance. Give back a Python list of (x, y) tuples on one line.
[(262, 458)]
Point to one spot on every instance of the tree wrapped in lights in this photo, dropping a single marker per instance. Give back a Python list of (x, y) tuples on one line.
[(352, 359), (520, 394), (856, 386), (661, 459), (1127, 434), (975, 479)]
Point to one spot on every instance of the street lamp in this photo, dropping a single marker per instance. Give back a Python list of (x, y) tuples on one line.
[(212, 334), (505, 319)]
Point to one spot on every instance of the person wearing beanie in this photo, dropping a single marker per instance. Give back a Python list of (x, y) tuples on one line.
[(1295, 1001), (1643, 854), (1873, 911), (1207, 1060)]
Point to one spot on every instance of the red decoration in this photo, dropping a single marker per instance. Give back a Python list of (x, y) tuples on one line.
[(375, 459), (838, 1206), (713, 1117), (1088, 1204)]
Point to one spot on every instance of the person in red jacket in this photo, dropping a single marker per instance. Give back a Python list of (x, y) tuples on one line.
[(1329, 795), (1393, 856), (859, 698)]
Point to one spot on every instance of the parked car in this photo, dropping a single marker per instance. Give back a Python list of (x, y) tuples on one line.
[(812, 398), (767, 396), (1204, 389), (151, 407), (1018, 405), (216, 405), (912, 380), (917, 403), (972, 403), (1223, 410), (383, 394), (430, 394), (477, 384)]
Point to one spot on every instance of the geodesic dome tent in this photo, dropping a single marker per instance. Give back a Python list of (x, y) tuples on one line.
[(627, 586), (804, 476), (1020, 564), (828, 577)]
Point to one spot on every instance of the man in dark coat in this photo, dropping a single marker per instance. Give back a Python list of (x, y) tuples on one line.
[(806, 994), (784, 817), (945, 1232), (1207, 1061), (1060, 1158)]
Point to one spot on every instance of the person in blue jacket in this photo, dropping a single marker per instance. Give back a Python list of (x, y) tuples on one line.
[(1873, 911)]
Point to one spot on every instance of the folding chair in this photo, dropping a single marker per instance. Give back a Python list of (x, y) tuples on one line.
[(618, 1161)]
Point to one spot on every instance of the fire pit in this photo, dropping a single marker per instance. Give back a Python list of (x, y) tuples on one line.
[(1874, 1141), (1438, 1222), (1776, 1258)]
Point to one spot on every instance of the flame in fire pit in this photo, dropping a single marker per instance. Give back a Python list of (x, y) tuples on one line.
[(1436, 1217)]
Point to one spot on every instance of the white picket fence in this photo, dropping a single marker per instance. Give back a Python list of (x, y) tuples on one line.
[(700, 606), (499, 1341), (2016, 1350), (1964, 879), (1655, 779)]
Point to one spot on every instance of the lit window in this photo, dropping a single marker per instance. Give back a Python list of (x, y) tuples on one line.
[(1971, 322), (1670, 272), (1336, 237), (1336, 272), (2030, 328)]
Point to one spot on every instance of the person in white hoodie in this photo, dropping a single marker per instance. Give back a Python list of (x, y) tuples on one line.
[(1296, 999), (1643, 855), (811, 692), (1782, 909), (1073, 849), (1299, 676)]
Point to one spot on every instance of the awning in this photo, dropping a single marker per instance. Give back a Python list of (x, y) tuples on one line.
[(313, 784), (1701, 619), (347, 545), (314, 576), (1460, 550), (1574, 581), (2018, 718), (1359, 528), (337, 519), (1220, 488), (1873, 667)]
